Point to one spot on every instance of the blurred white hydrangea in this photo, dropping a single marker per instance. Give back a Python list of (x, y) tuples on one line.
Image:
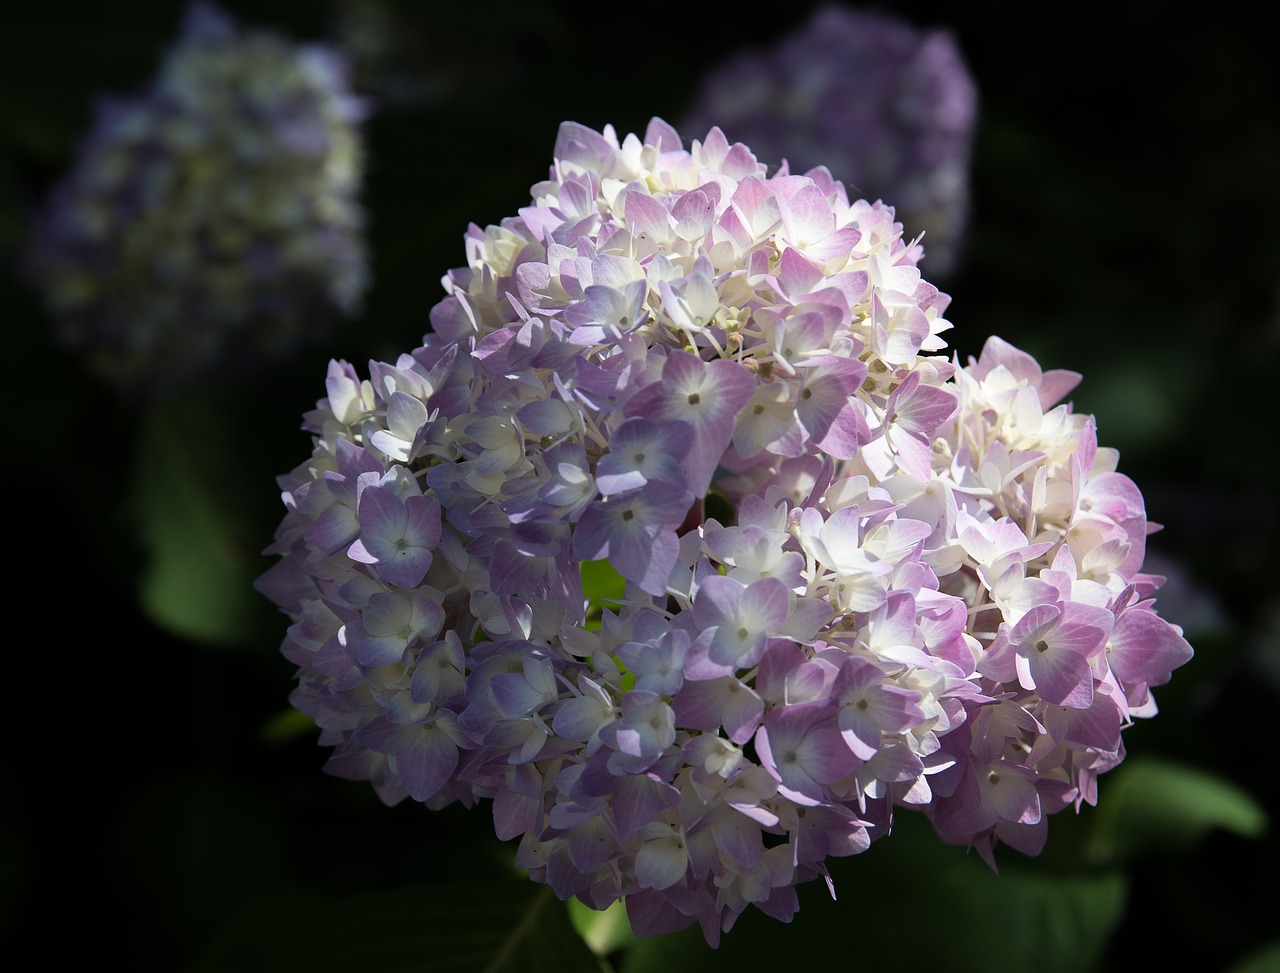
[(213, 220), (888, 108)]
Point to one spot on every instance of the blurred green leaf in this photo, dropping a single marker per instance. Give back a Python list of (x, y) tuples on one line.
[(1027, 918), (288, 725), (606, 931), (1150, 806), (1134, 403), (202, 556), (263, 932), (186, 850), (495, 927), (1266, 960), (1047, 922)]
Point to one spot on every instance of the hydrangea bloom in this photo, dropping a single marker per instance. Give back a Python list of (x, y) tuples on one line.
[(213, 220), (888, 108), (926, 592)]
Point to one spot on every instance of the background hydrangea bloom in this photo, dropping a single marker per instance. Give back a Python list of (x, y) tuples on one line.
[(213, 220), (888, 108), (859, 577)]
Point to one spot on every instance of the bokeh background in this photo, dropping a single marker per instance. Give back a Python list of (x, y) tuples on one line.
[(163, 810)]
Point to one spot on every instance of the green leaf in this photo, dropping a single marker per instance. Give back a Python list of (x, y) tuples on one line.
[(202, 555), (1048, 923), (601, 583), (185, 850), (1150, 806), (288, 725), (495, 927), (1265, 960), (1028, 918), (605, 931), (261, 935), (603, 587)]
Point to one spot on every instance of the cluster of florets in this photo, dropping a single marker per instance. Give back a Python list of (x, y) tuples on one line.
[(888, 108), (857, 577), (213, 220)]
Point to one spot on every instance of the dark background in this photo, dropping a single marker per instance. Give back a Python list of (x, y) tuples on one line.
[(1124, 224)]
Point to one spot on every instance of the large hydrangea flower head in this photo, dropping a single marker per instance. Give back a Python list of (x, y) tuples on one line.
[(854, 577), (888, 107), (212, 221)]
